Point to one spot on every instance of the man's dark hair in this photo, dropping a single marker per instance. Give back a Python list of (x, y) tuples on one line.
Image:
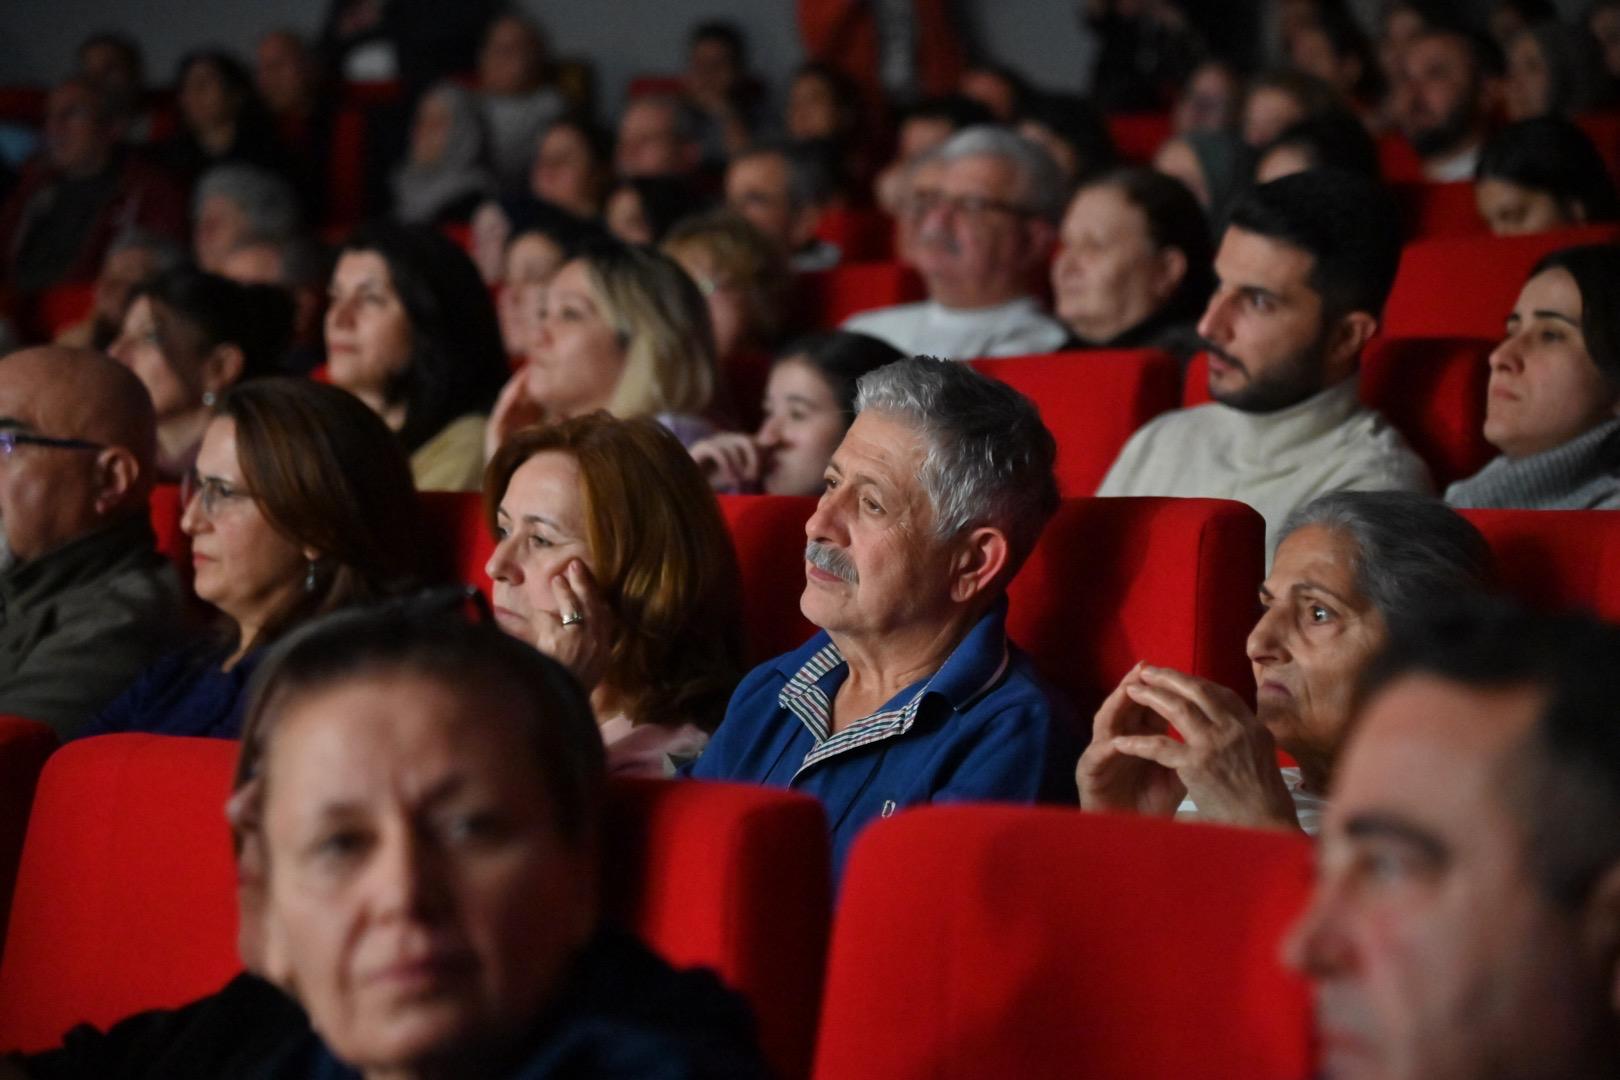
[(812, 168), (1348, 225), (258, 319), (1552, 154), (1563, 781), (725, 33), (1332, 140), (956, 110)]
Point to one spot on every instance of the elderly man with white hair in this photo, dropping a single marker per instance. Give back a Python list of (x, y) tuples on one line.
[(911, 693), (982, 237), (237, 204)]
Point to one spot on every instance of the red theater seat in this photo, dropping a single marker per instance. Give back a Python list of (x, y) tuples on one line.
[(24, 746), (1556, 558), (1440, 210), (1465, 286), (1092, 401), (1012, 942), (828, 297), (862, 234), (1397, 160), (60, 306), (1431, 389), (23, 105), (459, 541), (1603, 128), (1138, 136), (1114, 581), (125, 893)]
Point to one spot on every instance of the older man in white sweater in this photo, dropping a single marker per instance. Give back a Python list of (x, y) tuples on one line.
[(1304, 269)]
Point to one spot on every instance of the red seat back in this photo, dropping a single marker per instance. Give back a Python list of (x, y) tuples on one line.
[(828, 297), (1603, 128), (1465, 286), (125, 893), (24, 746), (1114, 581), (1554, 559), (1138, 136), (1397, 160), (979, 941), (60, 306), (458, 538), (1439, 210), (1091, 400), (862, 233), (25, 105)]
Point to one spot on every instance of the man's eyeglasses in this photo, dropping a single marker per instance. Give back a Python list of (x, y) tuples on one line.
[(10, 440), (972, 207), (212, 493)]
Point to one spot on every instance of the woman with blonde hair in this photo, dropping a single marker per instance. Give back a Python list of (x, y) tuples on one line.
[(623, 329), (612, 557)]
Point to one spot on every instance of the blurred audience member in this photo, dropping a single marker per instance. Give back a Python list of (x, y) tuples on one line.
[(300, 503), (1279, 99), (717, 84), (919, 192), (418, 42), (783, 189), (88, 600), (188, 336), (979, 243), (1215, 166), (1333, 48), (236, 204), (1555, 390), (1304, 268), (1071, 130), (1442, 102), (1211, 99), (924, 128), (1133, 269), (1542, 174), (1142, 51), (623, 329), (642, 209), (1548, 73), (221, 117), (573, 166), (612, 558), (822, 103), (1603, 24), (112, 63), (288, 80), (446, 175), (999, 89), (79, 194), (1333, 140), (541, 239), (1508, 18), (301, 267), (411, 331), (133, 258), (516, 96), (1351, 567), (657, 137), (809, 403)]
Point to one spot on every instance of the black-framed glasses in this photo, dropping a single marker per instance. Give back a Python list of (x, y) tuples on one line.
[(10, 440), (972, 207)]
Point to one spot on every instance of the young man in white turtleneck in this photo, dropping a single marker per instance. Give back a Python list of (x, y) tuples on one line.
[(1304, 269)]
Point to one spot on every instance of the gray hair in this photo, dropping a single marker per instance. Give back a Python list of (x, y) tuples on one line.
[(305, 262), (166, 254), (1041, 188), (989, 457), (810, 180), (268, 201), (1413, 552)]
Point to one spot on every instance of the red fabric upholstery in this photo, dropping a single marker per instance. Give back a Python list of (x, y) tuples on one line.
[(1465, 286), (1439, 210), (979, 941), (1431, 388), (1556, 558), (1092, 401), (1114, 581), (60, 306), (23, 105), (24, 746), (1138, 136), (125, 893), (1603, 128), (863, 234), (767, 532), (165, 509), (346, 169), (828, 297), (1397, 160), (459, 541)]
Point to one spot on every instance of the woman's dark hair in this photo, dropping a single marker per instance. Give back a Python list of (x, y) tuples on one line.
[(1552, 154), (1345, 36), (458, 362), (1078, 122), (1596, 270), (1175, 220), (258, 319), (1332, 140), (530, 216), (664, 201), (840, 357), (846, 97), (327, 474), (250, 109)]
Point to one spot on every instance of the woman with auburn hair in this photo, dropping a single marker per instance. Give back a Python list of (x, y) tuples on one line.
[(612, 557), (623, 329), (300, 503)]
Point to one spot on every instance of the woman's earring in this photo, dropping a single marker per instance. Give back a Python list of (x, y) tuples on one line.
[(309, 577), (208, 399)]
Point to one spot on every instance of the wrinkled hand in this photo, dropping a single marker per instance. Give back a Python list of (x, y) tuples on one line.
[(1228, 760), (514, 409), (582, 647), (729, 461), (1111, 779)]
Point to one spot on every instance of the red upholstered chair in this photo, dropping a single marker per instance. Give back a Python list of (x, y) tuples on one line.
[(125, 893), (828, 297), (1397, 160), (862, 234), (1465, 286), (1138, 136), (979, 941), (1114, 581), (24, 746), (1556, 558), (1092, 400), (23, 105), (1430, 209), (60, 306), (767, 532), (1603, 128), (459, 540)]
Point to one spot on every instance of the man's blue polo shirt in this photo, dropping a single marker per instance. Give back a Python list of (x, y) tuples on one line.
[(982, 727)]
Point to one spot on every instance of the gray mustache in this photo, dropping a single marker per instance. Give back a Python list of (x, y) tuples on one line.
[(831, 560)]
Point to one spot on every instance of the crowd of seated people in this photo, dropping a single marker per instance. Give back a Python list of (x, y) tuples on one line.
[(608, 328)]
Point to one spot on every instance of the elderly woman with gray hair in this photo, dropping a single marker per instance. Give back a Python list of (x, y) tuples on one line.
[(1350, 566)]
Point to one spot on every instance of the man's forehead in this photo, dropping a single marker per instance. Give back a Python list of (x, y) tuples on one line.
[(1248, 258), (882, 446), (981, 173)]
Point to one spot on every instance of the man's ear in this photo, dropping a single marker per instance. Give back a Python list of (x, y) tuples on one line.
[(222, 366), (117, 472), (981, 560), (1349, 336), (1168, 271), (803, 228)]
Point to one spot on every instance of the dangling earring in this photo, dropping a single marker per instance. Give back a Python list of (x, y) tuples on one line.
[(309, 577), (208, 399)]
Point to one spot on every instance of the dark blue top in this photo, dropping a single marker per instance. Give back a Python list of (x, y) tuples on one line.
[(982, 727), (185, 693)]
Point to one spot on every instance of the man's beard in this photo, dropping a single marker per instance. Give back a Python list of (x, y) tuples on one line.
[(1447, 135), (1284, 384)]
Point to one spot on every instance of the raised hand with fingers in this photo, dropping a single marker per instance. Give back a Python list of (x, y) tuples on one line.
[(514, 409), (730, 461), (580, 635), (1111, 779)]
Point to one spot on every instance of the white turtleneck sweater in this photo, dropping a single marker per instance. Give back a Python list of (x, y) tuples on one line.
[(1273, 461), (930, 329)]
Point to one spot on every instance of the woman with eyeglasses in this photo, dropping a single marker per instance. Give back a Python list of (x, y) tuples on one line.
[(300, 503)]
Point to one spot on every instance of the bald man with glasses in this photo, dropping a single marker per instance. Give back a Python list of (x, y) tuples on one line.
[(86, 601)]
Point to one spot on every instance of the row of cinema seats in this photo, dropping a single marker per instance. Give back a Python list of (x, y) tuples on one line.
[(969, 941)]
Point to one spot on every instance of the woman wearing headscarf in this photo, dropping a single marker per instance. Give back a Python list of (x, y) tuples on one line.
[(445, 177)]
